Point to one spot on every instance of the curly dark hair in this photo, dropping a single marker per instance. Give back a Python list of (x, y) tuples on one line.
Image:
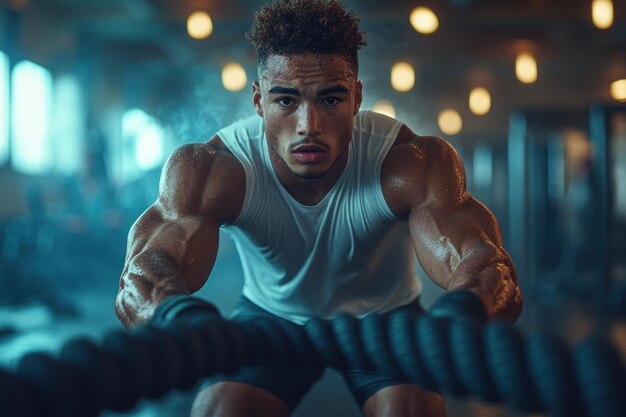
[(288, 27)]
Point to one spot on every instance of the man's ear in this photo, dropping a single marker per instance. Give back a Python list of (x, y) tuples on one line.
[(256, 98), (358, 96)]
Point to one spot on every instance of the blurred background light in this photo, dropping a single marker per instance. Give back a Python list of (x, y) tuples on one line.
[(483, 166), (68, 129), (384, 107), (31, 86), (199, 25), (450, 122), (618, 90), (17, 5), (424, 20), (148, 137), (602, 13), (526, 68), (234, 77), (402, 77), (4, 107), (480, 101)]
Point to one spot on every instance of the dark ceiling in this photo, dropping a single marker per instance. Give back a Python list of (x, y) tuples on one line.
[(476, 43)]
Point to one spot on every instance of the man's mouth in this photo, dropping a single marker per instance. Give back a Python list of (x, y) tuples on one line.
[(309, 153)]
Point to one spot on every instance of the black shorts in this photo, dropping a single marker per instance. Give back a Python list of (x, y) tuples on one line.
[(291, 384)]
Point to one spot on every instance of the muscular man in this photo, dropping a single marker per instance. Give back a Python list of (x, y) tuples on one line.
[(327, 205)]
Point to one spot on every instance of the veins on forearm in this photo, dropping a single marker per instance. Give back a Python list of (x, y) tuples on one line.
[(154, 275), (494, 280), (149, 279)]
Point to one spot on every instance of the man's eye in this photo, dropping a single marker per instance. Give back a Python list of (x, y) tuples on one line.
[(332, 101), (285, 101)]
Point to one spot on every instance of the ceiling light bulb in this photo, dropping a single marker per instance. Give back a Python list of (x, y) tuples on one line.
[(526, 68), (480, 101), (424, 20), (199, 25), (450, 122), (602, 13), (402, 76), (234, 77)]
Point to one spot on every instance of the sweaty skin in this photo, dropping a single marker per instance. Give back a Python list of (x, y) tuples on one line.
[(308, 102), (456, 239), (172, 246)]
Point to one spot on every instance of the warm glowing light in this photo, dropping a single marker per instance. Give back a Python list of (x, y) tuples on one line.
[(18, 5), (199, 25), (234, 77), (480, 101), (424, 20), (602, 13), (402, 76), (384, 107), (618, 90), (526, 68), (450, 121)]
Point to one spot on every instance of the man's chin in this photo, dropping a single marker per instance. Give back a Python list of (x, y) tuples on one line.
[(308, 174)]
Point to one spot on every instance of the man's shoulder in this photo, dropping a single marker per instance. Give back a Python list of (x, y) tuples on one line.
[(200, 157), (205, 175), (418, 168), (416, 150)]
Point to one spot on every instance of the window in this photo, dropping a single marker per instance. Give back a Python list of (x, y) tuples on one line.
[(31, 149), (144, 141), (4, 108), (68, 125), (483, 167)]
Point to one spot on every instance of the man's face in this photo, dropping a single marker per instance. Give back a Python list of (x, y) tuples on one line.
[(308, 102)]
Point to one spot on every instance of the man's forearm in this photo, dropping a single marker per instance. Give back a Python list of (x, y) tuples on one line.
[(495, 282), (145, 283)]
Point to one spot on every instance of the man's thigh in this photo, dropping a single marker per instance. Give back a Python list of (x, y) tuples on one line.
[(286, 385), (404, 401), (275, 387), (234, 399)]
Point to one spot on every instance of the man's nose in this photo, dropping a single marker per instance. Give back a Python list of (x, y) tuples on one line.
[(309, 123)]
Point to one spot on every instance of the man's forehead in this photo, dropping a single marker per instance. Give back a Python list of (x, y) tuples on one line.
[(285, 67)]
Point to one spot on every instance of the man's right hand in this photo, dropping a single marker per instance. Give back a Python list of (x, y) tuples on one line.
[(184, 308)]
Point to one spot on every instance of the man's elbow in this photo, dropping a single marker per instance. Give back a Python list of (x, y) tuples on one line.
[(509, 300), (121, 310), (515, 305)]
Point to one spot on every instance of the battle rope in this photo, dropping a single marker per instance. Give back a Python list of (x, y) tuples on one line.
[(493, 362)]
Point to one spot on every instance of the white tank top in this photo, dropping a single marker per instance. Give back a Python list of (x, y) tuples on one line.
[(347, 254)]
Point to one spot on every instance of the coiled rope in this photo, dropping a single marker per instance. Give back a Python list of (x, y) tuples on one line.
[(494, 362)]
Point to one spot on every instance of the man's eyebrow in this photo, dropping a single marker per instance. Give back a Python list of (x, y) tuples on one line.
[(331, 90), (296, 92), (285, 90)]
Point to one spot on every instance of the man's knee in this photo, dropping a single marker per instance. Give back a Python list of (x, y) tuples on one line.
[(405, 400), (234, 399)]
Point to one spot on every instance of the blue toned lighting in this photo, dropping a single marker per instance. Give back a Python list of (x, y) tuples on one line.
[(483, 166), (31, 148), (148, 137), (4, 107), (68, 125)]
